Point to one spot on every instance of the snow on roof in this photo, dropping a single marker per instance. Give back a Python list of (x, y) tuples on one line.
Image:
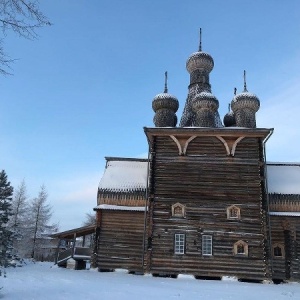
[(124, 174), (119, 207), (283, 178), (129, 174), (284, 213)]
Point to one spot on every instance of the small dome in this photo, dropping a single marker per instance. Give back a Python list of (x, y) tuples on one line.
[(229, 119), (245, 100), (205, 100), (165, 100), (200, 60)]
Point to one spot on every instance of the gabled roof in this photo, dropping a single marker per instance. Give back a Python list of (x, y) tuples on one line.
[(124, 175), (283, 178)]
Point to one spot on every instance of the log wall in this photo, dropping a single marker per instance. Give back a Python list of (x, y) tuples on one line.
[(286, 231), (120, 240), (207, 181)]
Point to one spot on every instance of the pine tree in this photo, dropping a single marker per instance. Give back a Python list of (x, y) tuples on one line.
[(6, 192), (40, 215)]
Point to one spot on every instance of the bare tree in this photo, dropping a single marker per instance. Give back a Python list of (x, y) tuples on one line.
[(23, 17), (18, 219), (19, 205), (90, 219), (40, 215)]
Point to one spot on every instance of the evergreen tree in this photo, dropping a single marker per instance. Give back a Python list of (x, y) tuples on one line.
[(40, 215), (6, 192)]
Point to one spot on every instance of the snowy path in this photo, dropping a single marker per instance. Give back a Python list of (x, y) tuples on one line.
[(45, 281)]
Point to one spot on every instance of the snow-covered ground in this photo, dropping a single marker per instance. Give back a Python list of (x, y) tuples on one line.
[(45, 281)]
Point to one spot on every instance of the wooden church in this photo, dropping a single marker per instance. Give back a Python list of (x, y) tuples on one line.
[(205, 202)]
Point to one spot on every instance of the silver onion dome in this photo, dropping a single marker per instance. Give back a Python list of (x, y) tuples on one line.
[(205, 106), (245, 100), (244, 107), (200, 61), (205, 100), (165, 100), (165, 107)]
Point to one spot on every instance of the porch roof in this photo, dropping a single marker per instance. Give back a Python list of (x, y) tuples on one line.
[(77, 232)]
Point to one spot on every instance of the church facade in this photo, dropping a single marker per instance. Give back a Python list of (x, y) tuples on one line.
[(201, 203)]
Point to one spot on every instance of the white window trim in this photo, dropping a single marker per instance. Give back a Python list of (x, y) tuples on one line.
[(207, 245), (179, 243)]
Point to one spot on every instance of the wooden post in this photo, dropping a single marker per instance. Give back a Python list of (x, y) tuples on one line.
[(57, 251), (74, 242)]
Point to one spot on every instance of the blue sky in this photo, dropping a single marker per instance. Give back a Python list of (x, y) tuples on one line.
[(84, 89)]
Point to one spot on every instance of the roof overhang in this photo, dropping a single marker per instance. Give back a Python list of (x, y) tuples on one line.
[(208, 131), (77, 232), (119, 207), (285, 213)]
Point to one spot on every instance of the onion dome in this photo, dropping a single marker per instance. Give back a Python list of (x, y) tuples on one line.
[(205, 100), (200, 61), (245, 100), (165, 107), (205, 106), (229, 118), (245, 105), (165, 100)]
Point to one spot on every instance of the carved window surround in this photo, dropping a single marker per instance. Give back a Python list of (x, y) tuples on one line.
[(233, 212), (240, 248), (178, 210)]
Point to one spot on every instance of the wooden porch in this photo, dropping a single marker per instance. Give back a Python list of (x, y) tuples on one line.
[(80, 254)]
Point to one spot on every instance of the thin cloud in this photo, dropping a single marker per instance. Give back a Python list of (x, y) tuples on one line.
[(281, 112)]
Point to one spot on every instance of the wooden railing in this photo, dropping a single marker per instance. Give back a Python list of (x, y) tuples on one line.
[(77, 253), (64, 255), (82, 251)]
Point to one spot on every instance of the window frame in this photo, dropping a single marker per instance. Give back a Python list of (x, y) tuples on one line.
[(207, 243), (182, 214), (229, 215), (179, 243), (281, 246), (236, 246)]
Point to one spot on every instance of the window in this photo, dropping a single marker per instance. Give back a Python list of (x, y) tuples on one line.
[(240, 248), (178, 210), (233, 212), (206, 245), (278, 250), (179, 243)]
